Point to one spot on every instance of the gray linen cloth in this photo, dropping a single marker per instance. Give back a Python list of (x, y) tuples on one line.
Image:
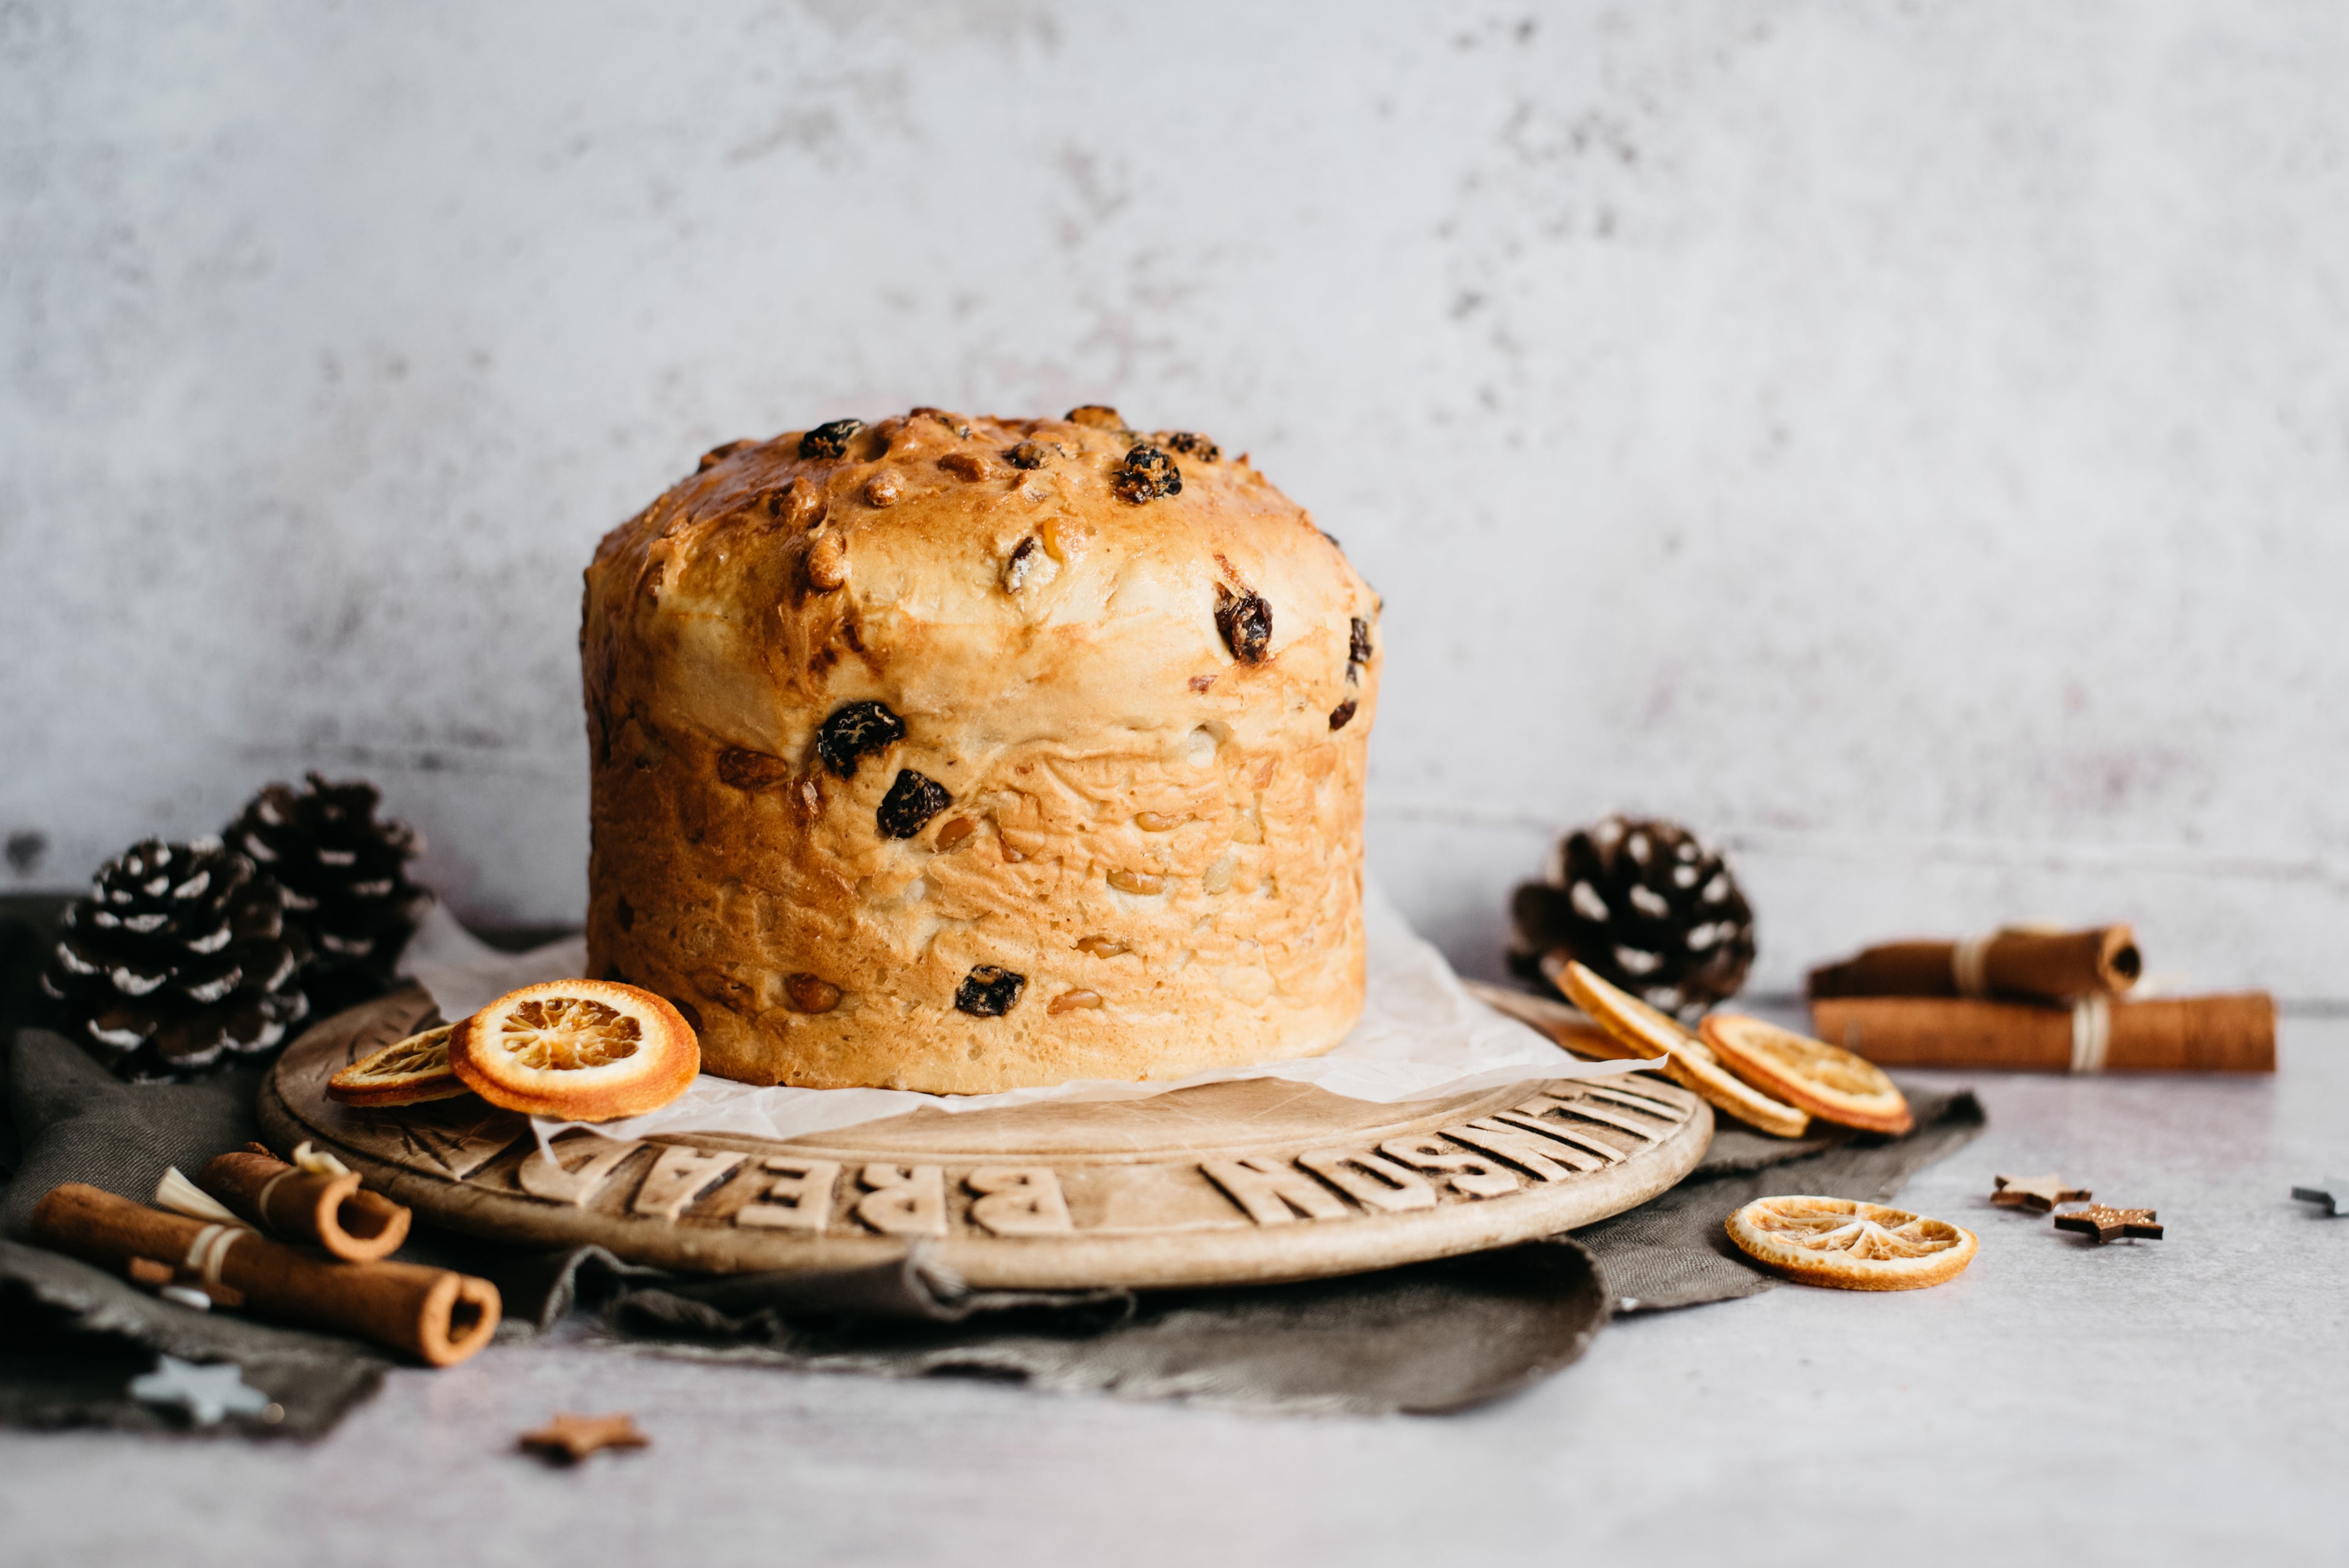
[(1427, 1337)]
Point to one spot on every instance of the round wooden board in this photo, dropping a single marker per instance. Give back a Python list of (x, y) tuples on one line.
[(1246, 1182)]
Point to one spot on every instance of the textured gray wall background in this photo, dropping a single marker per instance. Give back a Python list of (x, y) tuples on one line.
[(1909, 444)]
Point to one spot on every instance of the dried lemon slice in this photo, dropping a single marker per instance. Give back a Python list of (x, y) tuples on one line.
[(583, 1050), (1827, 1081), (1851, 1246), (405, 1072), (1689, 1060)]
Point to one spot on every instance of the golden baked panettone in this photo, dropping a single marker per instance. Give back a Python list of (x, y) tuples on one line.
[(963, 755)]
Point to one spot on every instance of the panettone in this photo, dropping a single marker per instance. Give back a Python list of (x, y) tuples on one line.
[(963, 755)]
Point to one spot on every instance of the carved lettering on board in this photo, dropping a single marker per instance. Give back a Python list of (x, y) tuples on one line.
[(1471, 1175), (560, 1176), (1648, 1104), (1019, 1200), (1527, 1115), (799, 1197), (1272, 1193), (1530, 1152), (1560, 1140), (678, 1177), (459, 1139), (1591, 1111), (1370, 1180), (903, 1201)]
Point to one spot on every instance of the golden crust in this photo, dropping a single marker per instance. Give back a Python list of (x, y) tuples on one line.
[(660, 1064), (1851, 1246), (1831, 1082), (1160, 838)]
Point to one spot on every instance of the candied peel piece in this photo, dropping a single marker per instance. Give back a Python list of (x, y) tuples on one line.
[(752, 771), (810, 993), (1849, 1245)]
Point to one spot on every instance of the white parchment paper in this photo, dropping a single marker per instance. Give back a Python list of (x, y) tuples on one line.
[(1420, 1036)]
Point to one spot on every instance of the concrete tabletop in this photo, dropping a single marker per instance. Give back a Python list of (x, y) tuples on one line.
[(2183, 1400)]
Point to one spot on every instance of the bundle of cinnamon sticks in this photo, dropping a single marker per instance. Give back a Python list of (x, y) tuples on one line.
[(322, 1264), (2032, 1000)]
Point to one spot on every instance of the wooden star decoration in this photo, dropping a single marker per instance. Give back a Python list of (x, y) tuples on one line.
[(2036, 1193), (2106, 1223), (569, 1438), (2332, 1193)]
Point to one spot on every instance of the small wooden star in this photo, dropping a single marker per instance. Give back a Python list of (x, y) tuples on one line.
[(569, 1438), (2037, 1193), (2105, 1222), (2332, 1193)]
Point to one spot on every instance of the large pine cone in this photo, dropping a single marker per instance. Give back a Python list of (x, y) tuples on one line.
[(179, 957), (1647, 905), (345, 881)]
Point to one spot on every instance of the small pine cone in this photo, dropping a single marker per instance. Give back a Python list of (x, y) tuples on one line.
[(345, 881), (180, 957), (1645, 904)]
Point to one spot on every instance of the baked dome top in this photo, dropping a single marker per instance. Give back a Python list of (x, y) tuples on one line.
[(1011, 577)]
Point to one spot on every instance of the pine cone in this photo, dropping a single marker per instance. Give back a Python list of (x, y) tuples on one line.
[(345, 881), (180, 956), (1647, 905)]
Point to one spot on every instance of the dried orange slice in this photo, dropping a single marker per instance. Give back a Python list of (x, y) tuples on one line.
[(583, 1050), (1831, 1082), (1689, 1060), (405, 1072), (1694, 1066), (1564, 1026), (1851, 1246)]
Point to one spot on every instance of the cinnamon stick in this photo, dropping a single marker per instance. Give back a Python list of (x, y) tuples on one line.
[(437, 1317), (2184, 1035), (2041, 965), (317, 1209)]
